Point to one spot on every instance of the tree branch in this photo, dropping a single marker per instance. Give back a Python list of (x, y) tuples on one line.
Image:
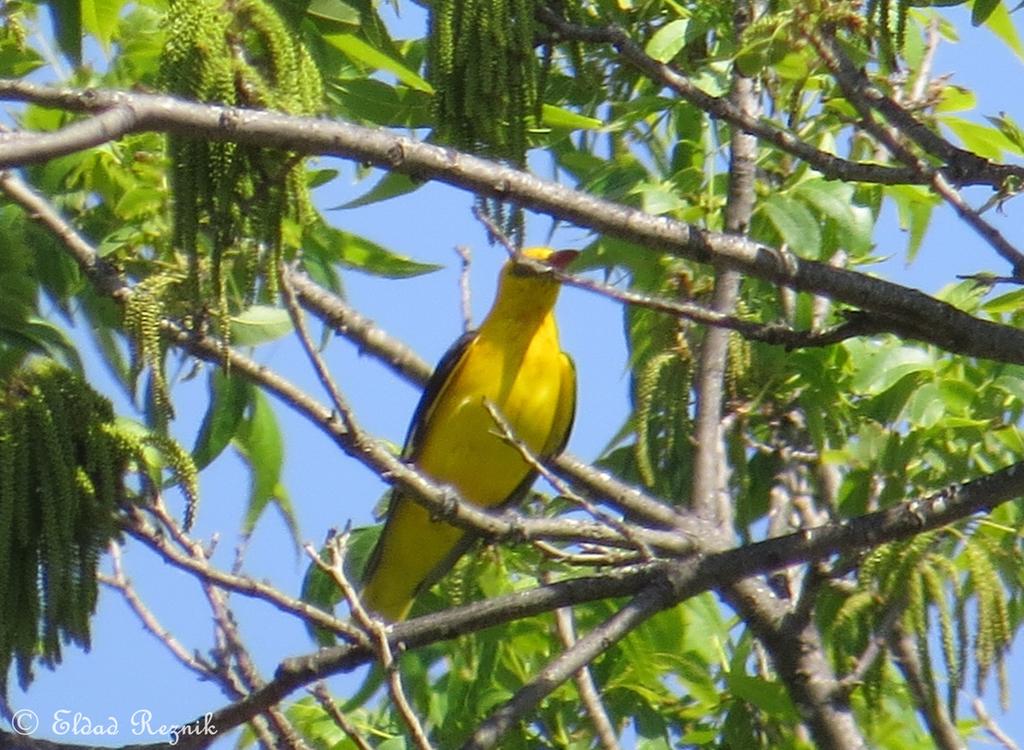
[(940, 726), (134, 523), (709, 496), (866, 98), (683, 578), (907, 312), (725, 108), (585, 685), (963, 167), (649, 601)]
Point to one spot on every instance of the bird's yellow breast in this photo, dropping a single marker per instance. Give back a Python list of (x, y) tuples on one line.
[(522, 383), (513, 363)]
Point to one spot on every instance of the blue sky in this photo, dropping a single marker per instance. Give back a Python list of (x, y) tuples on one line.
[(128, 670)]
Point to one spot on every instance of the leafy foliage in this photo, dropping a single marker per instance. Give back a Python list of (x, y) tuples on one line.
[(63, 461), (232, 202), (812, 435), (485, 73)]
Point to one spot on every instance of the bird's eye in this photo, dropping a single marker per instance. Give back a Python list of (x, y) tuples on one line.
[(528, 269)]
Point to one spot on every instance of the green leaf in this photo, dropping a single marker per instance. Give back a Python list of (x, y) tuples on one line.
[(558, 117), (259, 324), (101, 19), (914, 205), (1005, 303), (67, 21), (20, 338), (140, 201), (381, 103), (17, 61), (364, 255), (956, 99), (795, 224), (1012, 383), (668, 40), (794, 67), (770, 697), (924, 407), (1011, 437), (1010, 129), (317, 177), (320, 590), (965, 295), (229, 398), (760, 53), (879, 368), (260, 443), (334, 10), (982, 9), (1001, 24), (54, 341), (695, 673), (958, 396), (359, 52), (836, 201), (985, 141), (660, 199), (391, 185)]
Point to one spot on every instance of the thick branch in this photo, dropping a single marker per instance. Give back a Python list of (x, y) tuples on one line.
[(907, 312), (709, 495), (683, 578)]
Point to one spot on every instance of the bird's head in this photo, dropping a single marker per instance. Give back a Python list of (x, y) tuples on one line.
[(539, 261), (527, 281)]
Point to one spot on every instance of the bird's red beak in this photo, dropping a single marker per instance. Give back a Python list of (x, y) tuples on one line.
[(561, 259)]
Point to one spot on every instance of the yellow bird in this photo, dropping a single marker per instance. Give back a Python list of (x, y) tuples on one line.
[(514, 362)]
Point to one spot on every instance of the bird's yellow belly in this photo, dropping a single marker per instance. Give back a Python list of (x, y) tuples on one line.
[(468, 449), (465, 448)]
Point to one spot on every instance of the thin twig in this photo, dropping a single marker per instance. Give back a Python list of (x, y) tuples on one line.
[(877, 644), (465, 293), (709, 496), (506, 433), (941, 728), (341, 407), (768, 333), (119, 582), (648, 602), (103, 276), (494, 232), (238, 679), (588, 691), (991, 727), (323, 697), (234, 664), (1006, 249), (345, 320), (924, 70), (134, 524), (636, 504), (597, 558), (378, 630), (665, 75), (866, 99)]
